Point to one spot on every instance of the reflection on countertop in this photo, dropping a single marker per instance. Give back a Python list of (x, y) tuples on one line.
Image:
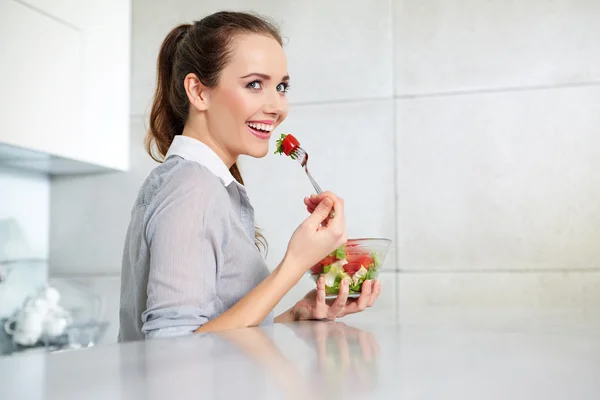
[(526, 358)]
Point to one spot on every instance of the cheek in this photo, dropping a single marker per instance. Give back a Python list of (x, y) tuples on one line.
[(240, 103)]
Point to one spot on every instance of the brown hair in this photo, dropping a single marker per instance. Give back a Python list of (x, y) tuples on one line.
[(204, 49)]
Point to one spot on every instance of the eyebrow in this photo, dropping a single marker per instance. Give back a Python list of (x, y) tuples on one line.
[(265, 77)]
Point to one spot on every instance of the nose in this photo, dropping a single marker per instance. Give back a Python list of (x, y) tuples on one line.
[(276, 104)]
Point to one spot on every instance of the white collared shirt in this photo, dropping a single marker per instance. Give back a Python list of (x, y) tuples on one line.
[(192, 149), (190, 251)]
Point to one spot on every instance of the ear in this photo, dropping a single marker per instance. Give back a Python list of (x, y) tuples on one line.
[(196, 92)]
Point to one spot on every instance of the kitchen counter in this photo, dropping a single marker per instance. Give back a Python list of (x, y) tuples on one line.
[(450, 357)]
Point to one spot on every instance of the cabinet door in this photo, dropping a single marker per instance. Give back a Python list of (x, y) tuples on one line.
[(41, 89), (107, 32)]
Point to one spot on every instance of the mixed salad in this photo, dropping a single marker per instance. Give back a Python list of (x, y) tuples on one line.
[(346, 262)]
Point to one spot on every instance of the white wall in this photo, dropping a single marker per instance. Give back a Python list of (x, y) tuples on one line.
[(497, 120), (24, 228), (25, 199), (472, 142)]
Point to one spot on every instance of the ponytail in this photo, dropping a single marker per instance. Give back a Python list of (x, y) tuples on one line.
[(167, 117), (235, 172)]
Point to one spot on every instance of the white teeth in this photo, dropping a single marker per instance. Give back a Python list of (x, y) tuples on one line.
[(262, 127)]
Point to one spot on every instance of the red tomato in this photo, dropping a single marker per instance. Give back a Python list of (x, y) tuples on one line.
[(328, 260), (362, 259), (317, 269), (289, 144), (351, 268), (353, 249)]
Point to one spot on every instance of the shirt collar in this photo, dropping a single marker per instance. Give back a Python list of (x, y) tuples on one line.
[(194, 150)]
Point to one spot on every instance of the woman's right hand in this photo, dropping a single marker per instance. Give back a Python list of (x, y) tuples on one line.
[(319, 234)]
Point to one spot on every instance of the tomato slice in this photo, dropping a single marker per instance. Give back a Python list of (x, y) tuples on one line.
[(362, 259), (327, 260), (352, 268), (289, 144), (317, 269)]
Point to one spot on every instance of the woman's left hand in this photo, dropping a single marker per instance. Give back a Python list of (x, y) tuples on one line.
[(315, 307)]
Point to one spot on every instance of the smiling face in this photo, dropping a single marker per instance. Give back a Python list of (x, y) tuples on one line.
[(249, 101)]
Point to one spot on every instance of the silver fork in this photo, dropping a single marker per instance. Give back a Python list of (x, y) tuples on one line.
[(301, 156)]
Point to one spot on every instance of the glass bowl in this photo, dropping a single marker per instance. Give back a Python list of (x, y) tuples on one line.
[(358, 260)]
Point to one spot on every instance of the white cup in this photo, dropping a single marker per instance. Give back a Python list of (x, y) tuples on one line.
[(51, 295), (56, 321), (28, 327), (40, 315), (38, 305), (55, 326)]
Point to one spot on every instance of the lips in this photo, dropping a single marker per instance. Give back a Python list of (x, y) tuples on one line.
[(259, 133), (261, 129)]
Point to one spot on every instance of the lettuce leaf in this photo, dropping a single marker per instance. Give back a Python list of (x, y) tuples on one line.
[(279, 144), (339, 253)]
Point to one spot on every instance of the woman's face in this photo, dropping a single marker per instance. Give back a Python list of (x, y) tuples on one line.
[(250, 100)]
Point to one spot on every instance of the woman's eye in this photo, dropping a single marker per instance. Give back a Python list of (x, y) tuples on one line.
[(283, 87), (256, 85)]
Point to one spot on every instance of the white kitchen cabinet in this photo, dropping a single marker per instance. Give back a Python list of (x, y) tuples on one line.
[(64, 85), (106, 71), (41, 101)]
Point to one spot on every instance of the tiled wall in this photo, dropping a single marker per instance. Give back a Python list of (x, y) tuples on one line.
[(498, 154), (466, 131)]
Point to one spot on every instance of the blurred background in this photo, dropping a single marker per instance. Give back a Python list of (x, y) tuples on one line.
[(468, 132)]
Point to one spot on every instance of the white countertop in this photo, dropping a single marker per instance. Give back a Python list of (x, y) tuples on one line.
[(501, 357)]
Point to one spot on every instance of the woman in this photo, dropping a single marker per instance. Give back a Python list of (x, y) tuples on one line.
[(191, 261)]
